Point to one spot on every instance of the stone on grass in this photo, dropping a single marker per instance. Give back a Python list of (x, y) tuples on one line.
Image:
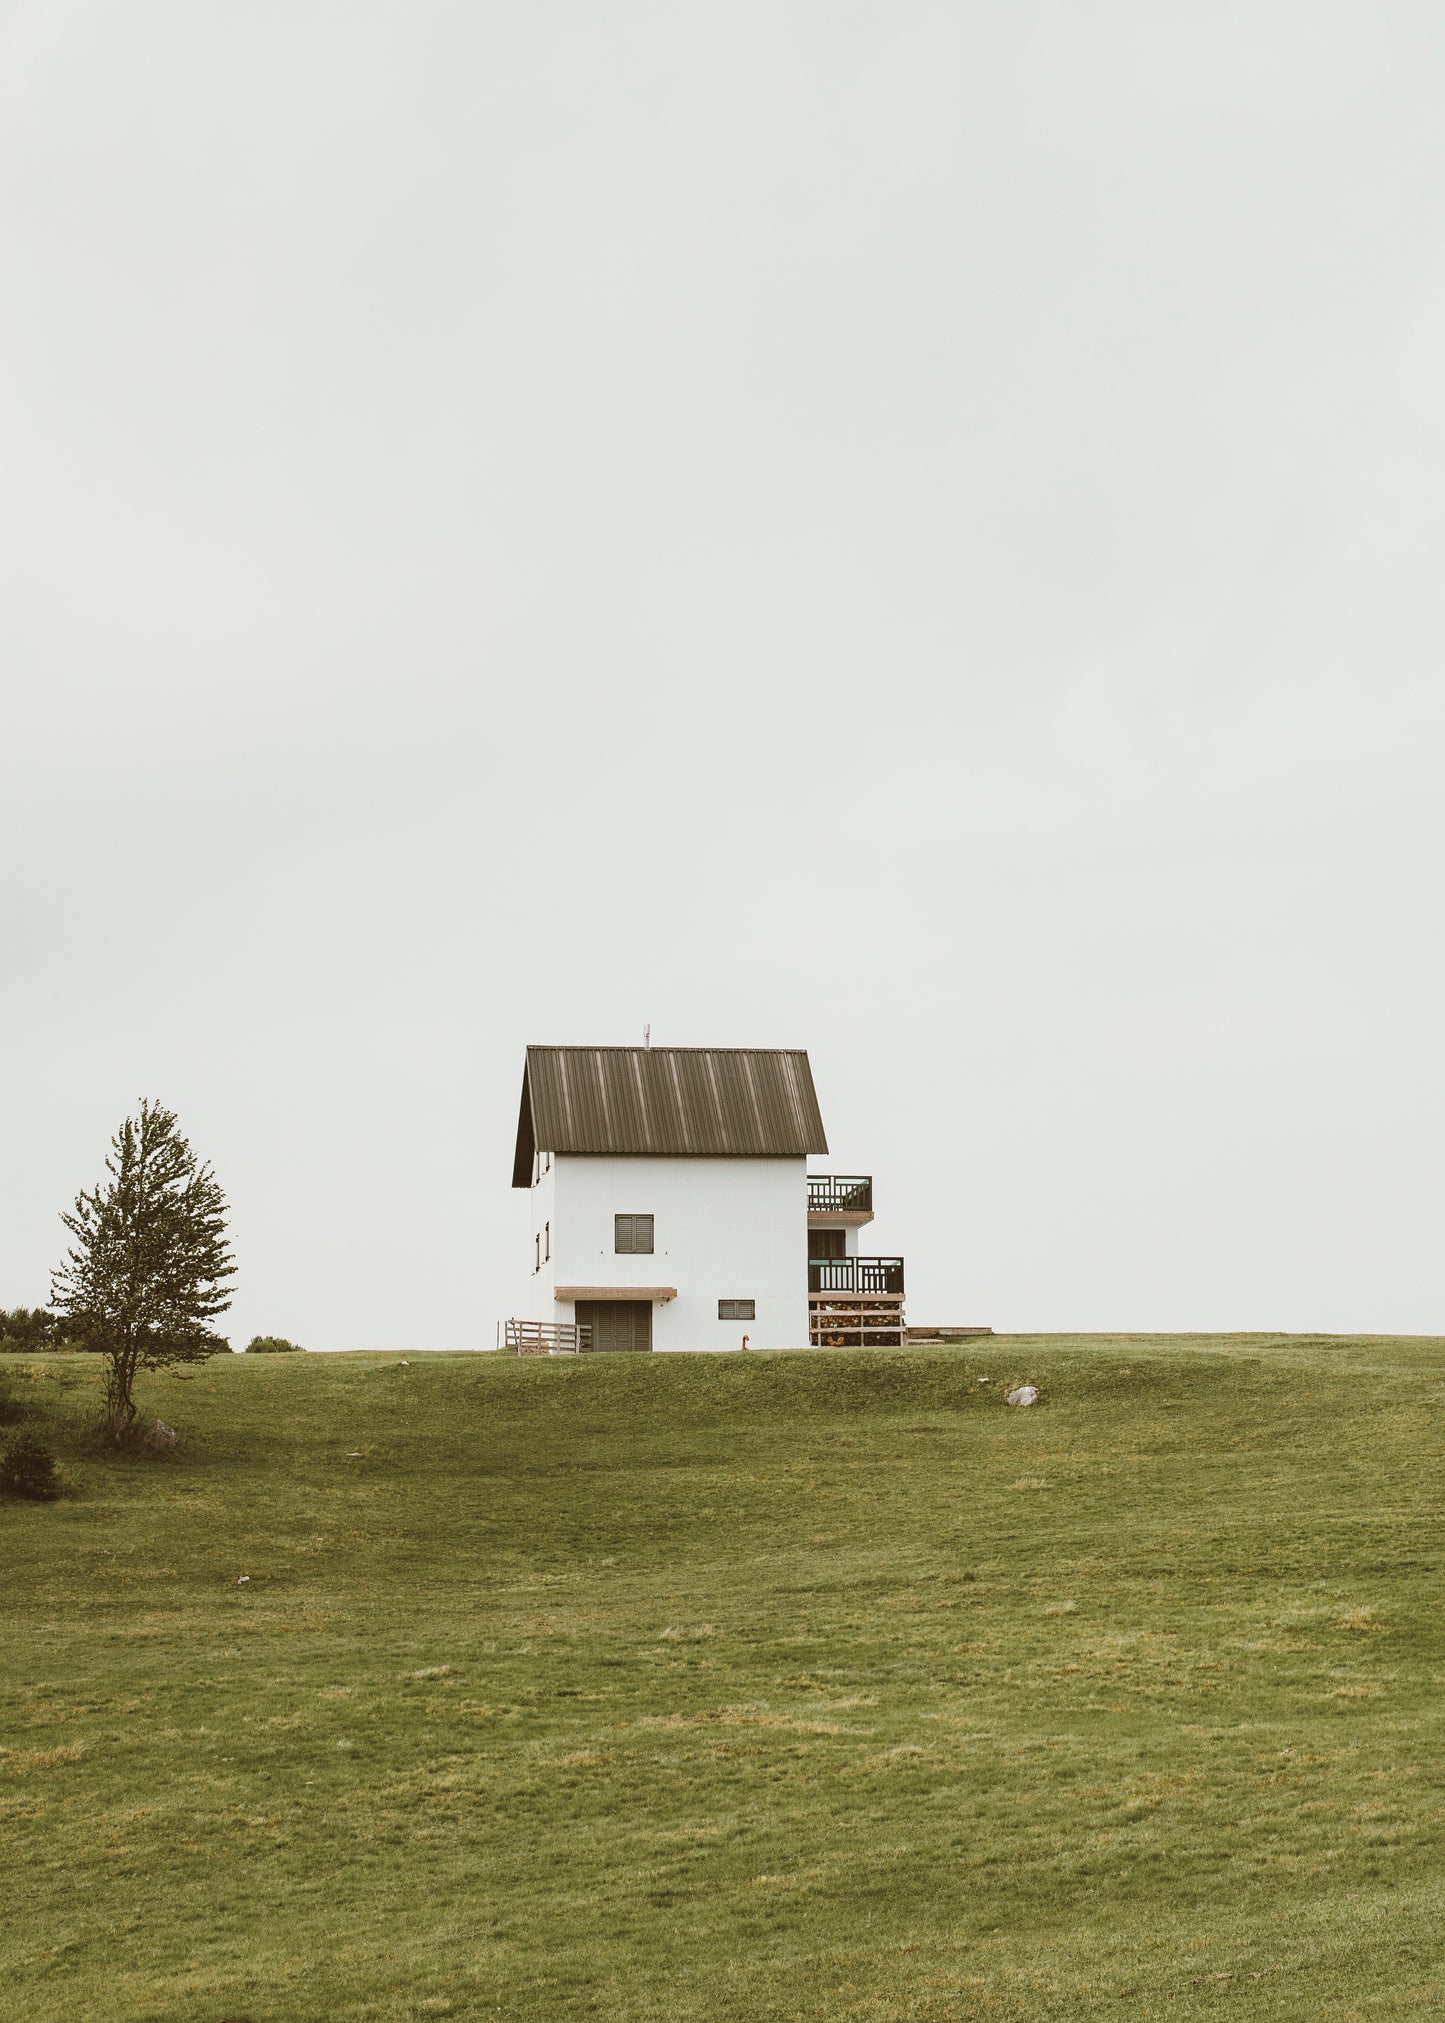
[(1026, 1394), (161, 1435)]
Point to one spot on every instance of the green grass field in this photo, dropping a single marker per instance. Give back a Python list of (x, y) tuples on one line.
[(788, 1686)]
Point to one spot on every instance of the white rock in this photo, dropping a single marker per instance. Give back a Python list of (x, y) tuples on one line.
[(1026, 1394), (161, 1435)]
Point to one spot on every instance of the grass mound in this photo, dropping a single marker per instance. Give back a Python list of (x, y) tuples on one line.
[(783, 1686)]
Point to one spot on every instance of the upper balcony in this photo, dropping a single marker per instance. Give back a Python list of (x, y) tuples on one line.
[(839, 1201), (860, 1275)]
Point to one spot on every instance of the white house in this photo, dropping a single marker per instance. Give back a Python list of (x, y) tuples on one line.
[(671, 1205)]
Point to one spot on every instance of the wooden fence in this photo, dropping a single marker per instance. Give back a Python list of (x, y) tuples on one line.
[(544, 1338)]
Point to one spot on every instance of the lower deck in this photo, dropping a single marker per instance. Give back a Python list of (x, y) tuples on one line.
[(842, 1321)]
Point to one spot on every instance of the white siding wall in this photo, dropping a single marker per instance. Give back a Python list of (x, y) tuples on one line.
[(544, 1213), (722, 1229)]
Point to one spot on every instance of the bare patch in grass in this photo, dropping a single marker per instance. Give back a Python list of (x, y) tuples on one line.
[(21, 1762), (746, 1717)]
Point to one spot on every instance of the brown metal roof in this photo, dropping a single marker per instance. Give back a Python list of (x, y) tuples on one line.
[(668, 1102)]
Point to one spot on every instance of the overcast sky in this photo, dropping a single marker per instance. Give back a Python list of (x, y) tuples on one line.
[(907, 530)]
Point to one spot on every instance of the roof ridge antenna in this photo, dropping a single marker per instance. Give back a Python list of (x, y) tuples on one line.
[(647, 1036)]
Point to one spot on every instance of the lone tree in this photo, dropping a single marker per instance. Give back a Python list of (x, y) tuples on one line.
[(149, 1265)]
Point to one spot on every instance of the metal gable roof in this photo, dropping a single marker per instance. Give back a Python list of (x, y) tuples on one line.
[(668, 1102)]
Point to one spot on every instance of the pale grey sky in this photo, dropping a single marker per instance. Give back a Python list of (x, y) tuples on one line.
[(911, 531)]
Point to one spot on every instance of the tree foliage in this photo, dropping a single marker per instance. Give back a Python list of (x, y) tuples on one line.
[(147, 1271), (272, 1345)]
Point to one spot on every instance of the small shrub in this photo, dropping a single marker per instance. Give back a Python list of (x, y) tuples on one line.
[(27, 1467), (273, 1345)]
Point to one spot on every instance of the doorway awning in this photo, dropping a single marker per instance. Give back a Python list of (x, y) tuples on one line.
[(628, 1292)]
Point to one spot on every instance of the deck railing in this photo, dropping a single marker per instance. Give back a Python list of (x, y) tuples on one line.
[(856, 1274), (545, 1338), (840, 1193)]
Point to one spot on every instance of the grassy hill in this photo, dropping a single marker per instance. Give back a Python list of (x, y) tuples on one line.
[(790, 1686)]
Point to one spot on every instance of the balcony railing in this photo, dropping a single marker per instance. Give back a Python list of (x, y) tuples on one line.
[(838, 1193), (856, 1275)]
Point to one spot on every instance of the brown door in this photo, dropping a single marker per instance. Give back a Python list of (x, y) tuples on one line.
[(825, 1246), (617, 1323)]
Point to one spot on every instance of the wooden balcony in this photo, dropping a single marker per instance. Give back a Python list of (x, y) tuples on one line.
[(873, 1276), (839, 1200)]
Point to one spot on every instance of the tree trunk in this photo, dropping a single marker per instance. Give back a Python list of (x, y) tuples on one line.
[(119, 1404)]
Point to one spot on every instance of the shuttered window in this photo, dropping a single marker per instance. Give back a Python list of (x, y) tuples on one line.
[(633, 1235), (737, 1310)]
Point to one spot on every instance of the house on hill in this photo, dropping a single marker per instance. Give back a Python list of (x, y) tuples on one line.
[(671, 1206)]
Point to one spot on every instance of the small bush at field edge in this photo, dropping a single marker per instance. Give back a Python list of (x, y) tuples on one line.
[(27, 1467), (273, 1345)]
